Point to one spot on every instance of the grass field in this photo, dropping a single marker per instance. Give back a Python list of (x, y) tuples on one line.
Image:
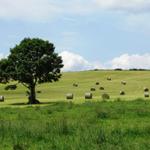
[(118, 125), (51, 92), (121, 123)]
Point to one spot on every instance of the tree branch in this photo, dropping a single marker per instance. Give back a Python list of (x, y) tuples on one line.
[(24, 85)]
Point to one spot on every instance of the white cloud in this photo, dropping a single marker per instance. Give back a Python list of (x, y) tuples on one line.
[(125, 5), (127, 61), (75, 62), (43, 10), (28, 9)]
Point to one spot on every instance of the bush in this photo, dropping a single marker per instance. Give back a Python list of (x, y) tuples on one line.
[(11, 87), (105, 96)]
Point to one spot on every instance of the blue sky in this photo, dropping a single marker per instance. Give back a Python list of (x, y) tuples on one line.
[(93, 33)]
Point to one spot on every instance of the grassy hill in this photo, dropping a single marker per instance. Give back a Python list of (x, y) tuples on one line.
[(136, 81), (79, 125)]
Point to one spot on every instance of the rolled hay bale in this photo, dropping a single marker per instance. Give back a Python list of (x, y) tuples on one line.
[(97, 83), (75, 84), (146, 89), (1, 98), (146, 94), (122, 92), (105, 96), (123, 82), (93, 89), (101, 88), (109, 78), (69, 96), (88, 95)]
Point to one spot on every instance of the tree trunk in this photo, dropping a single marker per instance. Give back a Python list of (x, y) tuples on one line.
[(32, 96)]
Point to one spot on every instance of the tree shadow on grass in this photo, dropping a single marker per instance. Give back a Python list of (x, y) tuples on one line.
[(41, 103)]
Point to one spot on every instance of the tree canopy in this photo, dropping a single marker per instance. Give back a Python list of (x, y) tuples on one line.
[(31, 62), (4, 76)]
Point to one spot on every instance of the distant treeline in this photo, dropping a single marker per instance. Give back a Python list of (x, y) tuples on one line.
[(120, 69)]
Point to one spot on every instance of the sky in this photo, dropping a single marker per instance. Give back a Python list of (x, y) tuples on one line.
[(88, 34)]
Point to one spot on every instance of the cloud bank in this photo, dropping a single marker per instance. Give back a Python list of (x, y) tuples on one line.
[(35, 10), (125, 5), (127, 61), (75, 62)]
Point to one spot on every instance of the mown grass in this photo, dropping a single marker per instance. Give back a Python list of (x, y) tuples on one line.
[(53, 92), (106, 125)]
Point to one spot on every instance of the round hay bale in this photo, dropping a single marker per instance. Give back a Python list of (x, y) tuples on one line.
[(69, 96), (109, 78), (75, 84), (101, 88), (146, 89), (93, 89), (123, 82), (146, 94), (97, 83), (1, 98), (105, 96), (88, 95), (122, 93)]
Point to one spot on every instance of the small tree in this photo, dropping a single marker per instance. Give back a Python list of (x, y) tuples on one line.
[(34, 61)]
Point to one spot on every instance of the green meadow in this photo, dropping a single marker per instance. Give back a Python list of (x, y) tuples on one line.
[(52, 92), (120, 123)]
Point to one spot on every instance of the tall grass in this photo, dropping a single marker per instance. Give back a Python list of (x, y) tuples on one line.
[(66, 126)]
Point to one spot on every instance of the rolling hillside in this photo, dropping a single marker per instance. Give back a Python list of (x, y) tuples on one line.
[(136, 81)]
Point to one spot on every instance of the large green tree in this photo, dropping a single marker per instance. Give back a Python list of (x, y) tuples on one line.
[(34, 61), (4, 76)]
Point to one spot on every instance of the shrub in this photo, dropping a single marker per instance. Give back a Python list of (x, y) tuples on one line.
[(105, 96), (11, 87)]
